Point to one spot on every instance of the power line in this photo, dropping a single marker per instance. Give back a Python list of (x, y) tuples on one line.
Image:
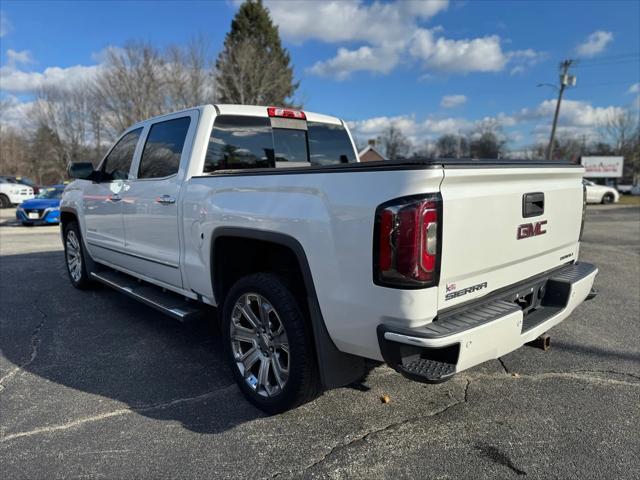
[(607, 57), (608, 63)]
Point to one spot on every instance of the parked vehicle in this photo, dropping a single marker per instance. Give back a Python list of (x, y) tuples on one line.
[(600, 193), (13, 192), (316, 261), (43, 209)]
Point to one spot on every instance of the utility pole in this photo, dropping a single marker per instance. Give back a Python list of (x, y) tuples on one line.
[(565, 81)]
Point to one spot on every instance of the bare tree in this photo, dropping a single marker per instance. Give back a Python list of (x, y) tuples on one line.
[(14, 149), (487, 140), (452, 146), (395, 144), (66, 126), (190, 77), (131, 85), (623, 132)]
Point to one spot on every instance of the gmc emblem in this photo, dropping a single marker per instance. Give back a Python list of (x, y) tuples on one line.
[(527, 230)]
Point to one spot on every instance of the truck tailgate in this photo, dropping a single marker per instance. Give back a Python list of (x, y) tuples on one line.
[(489, 241)]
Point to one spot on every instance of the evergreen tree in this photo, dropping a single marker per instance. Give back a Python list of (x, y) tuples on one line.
[(254, 68)]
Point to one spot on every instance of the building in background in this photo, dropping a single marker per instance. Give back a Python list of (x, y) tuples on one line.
[(370, 153), (603, 170)]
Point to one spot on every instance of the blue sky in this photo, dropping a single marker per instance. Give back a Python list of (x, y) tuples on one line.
[(429, 67)]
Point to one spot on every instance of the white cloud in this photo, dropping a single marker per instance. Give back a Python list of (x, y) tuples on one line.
[(594, 44), (388, 34), (635, 88), (451, 101), (524, 59), (573, 113), (480, 54), (365, 58), (5, 25), (17, 58), (15, 80), (14, 113), (340, 21)]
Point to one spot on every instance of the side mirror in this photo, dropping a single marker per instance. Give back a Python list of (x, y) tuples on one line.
[(82, 171)]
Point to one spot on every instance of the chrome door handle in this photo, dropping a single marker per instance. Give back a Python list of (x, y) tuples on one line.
[(115, 197), (165, 200)]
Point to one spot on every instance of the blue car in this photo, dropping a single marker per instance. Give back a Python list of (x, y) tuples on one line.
[(44, 209)]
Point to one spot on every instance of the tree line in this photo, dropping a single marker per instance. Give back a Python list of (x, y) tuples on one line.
[(619, 135), (79, 122)]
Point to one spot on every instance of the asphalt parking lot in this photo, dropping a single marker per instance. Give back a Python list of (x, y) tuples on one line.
[(93, 384)]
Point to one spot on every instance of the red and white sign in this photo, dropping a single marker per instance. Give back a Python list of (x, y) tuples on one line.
[(601, 167)]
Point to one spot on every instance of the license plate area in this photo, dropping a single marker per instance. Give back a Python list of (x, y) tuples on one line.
[(33, 215)]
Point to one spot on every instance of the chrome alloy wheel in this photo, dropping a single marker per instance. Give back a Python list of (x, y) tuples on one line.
[(259, 344), (74, 256)]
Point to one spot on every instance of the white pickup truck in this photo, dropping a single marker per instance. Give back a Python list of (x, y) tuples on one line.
[(13, 192), (318, 262)]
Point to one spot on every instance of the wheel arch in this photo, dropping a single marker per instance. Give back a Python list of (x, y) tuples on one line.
[(227, 266), (68, 215)]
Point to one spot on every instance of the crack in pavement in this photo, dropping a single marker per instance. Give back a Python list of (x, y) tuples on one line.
[(35, 343), (117, 413), (504, 366), (363, 437)]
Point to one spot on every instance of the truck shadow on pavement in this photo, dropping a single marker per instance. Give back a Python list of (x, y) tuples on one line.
[(102, 343)]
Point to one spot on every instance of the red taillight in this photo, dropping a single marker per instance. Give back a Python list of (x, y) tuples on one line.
[(286, 113), (406, 236)]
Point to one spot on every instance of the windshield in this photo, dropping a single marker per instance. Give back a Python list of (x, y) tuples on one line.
[(50, 193)]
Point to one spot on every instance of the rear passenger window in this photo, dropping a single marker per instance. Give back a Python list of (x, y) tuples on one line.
[(329, 144), (239, 142), (118, 163), (163, 148)]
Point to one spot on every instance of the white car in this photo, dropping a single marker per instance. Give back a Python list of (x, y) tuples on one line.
[(317, 262), (600, 193), (13, 192)]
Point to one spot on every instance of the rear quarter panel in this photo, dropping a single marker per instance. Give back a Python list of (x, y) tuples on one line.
[(332, 216)]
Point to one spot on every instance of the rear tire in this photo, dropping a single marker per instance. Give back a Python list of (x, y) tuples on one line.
[(4, 201), (269, 344), (75, 257), (607, 198)]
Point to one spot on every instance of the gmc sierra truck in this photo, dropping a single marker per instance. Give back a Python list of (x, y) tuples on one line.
[(316, 261)]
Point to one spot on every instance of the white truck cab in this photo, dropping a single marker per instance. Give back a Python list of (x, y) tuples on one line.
[(13, 192), (315, 261)]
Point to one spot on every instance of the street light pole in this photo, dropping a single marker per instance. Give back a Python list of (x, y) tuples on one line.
[(565, 80)]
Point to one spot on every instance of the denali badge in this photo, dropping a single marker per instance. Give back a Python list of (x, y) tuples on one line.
[(527, 230), (464, 291)]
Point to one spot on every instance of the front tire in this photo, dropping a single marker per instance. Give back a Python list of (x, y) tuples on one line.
[(607, 198), (75, 257), (4, 201), (269, 344)]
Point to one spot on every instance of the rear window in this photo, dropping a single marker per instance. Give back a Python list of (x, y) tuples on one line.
[(243, 142)]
